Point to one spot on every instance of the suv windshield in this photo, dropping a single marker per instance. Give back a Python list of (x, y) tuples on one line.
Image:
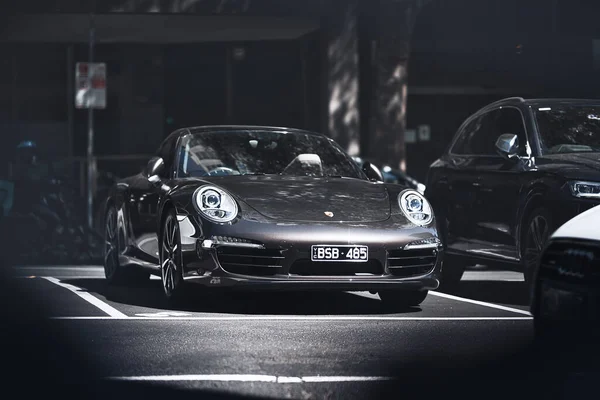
[(263, 152), (568, 128)]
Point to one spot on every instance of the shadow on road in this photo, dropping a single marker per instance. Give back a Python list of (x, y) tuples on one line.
[(500, 292), (150, 295)]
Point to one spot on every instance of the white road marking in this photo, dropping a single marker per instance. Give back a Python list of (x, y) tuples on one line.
[(308, 318), (251, 378), (481, 303), (493, 276), (164, 314), (114, 313)]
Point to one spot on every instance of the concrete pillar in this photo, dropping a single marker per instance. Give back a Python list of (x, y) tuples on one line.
[(342, 122), (392, 22), (367, 46)]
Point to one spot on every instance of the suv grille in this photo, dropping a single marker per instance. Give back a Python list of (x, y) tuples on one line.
[(409, 263), (238, 260), (571, 261)]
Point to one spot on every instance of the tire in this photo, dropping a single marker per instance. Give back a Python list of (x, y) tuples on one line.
[(451, 275), (537, 230), (452, 268), (115, 273), (544, 331), (402, 299), (554, 335), (171, 265)]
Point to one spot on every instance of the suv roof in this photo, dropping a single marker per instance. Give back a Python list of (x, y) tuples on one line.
[(513, 101)]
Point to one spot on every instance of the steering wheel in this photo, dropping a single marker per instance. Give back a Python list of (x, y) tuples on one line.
[(219, 171)]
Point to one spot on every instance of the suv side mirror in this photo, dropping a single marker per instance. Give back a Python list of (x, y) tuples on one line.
[(507, 145), (372, 172), (153, 170)]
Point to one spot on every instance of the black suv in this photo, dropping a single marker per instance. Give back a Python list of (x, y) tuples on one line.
[(515, 171)]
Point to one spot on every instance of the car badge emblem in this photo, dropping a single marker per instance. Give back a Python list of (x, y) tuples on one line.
[(329, 214)]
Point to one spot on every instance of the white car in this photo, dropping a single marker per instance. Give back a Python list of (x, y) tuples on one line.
[(566, 289)]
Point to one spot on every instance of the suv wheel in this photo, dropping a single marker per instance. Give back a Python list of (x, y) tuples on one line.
[(537, 230)]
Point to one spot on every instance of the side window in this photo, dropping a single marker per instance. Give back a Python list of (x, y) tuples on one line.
[(471, 139), (480, 135), (167, 152), (510, 120), (460, 146)]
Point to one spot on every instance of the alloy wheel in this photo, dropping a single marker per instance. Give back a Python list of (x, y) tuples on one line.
[(111, 244), (537, 235), (170, 259)]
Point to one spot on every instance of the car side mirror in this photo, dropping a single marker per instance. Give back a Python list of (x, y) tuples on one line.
[(372, 172), (153, 170), (507, 146)]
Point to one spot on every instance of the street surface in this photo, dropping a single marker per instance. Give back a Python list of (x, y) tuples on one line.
[(292, 345)]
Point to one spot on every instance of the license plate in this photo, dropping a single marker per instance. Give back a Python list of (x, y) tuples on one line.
[(349, 253)]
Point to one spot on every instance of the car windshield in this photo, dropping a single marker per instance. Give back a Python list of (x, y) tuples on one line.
[(568, 128), (263, 152)]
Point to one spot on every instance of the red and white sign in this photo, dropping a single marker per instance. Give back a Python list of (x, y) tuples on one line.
[(90, 85)]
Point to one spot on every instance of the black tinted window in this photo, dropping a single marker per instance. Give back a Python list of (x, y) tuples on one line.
[(510, 120), (167, 152), (568, 128), (473, 137), (480, 135)]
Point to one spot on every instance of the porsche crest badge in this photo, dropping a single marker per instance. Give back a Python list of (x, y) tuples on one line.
[(329, 214)]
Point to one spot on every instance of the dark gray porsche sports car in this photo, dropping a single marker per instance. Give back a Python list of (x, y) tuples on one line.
[(269, 208)]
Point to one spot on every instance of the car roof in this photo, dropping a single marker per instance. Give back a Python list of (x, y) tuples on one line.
[(512, 101), (229, 128), (550, 101)]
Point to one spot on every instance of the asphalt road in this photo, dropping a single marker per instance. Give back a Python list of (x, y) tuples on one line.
[(476, 343)]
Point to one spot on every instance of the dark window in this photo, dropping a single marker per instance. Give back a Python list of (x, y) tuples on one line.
[(465, 140), (510, 120), (167, 152), (568, 128), (480, 135)]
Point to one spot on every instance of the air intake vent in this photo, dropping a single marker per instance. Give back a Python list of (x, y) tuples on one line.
[(306, 267), (409, 263), (247, 261), (571, 261)]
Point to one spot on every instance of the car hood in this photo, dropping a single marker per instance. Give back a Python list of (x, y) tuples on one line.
[(307, 199), (573, 160), (583, 226)]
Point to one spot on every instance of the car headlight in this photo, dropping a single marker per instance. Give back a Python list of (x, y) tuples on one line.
[(416, 208), (215, 204), (585, 189)]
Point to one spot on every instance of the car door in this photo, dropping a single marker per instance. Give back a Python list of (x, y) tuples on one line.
[(499, 185), (455, 189), (145, 199)]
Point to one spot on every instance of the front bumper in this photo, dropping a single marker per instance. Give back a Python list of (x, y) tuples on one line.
[(277, 257), (568, 302)]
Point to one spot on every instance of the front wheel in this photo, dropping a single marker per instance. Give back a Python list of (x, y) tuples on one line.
[(451, 275), (400, 299), (537, 231), (171, 263)]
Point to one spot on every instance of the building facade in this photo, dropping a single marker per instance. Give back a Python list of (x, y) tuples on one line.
[(387, 79)]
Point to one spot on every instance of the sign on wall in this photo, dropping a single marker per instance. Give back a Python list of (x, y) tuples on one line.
[(90, 85), (410, 136), (424, 133)]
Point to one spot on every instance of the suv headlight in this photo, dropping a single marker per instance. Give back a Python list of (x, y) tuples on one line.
[(415, 207), (585, 189), (215, 204)]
